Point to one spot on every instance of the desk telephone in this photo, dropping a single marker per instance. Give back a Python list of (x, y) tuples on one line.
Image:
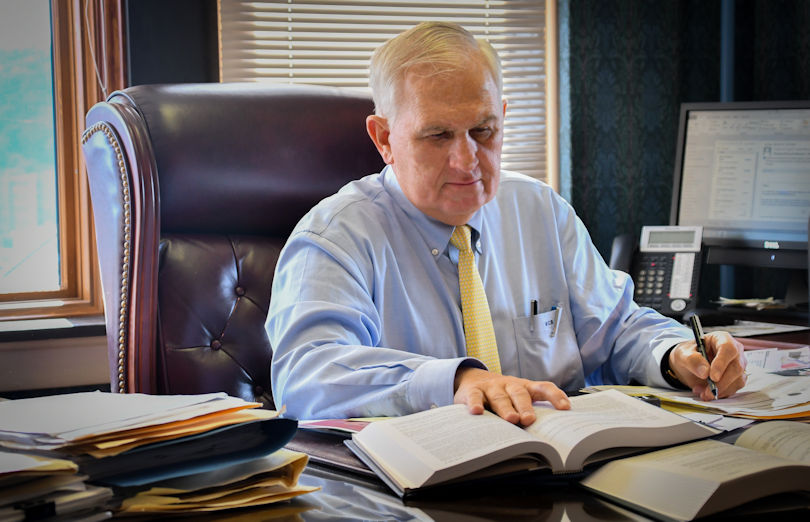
[(665, 268)]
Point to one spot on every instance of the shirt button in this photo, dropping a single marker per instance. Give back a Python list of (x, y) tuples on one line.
[(435, 251)]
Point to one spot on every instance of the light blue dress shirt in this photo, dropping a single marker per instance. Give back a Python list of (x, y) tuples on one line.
[(365, 315)]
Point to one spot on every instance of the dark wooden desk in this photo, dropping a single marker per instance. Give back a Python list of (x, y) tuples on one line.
[(347, 497), (800, 337), (527, 499), (352, 496)]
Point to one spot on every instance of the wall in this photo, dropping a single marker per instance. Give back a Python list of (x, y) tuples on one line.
[(632, 63), (172, 41)]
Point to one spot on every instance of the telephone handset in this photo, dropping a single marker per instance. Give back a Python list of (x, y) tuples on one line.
[(665, 268)]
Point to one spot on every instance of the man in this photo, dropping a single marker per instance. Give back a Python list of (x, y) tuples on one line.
[(366, 315)]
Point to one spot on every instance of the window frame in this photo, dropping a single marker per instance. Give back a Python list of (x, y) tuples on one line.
[(75, 26)]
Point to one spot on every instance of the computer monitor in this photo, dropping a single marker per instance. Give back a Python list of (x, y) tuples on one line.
[(742, 171)]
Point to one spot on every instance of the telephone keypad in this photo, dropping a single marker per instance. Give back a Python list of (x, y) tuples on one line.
[(654, 272)]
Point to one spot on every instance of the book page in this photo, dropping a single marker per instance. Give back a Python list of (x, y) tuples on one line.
[(686, 481), (412, 448), (594, 413), (787, 439), (452, 435), (710, 460)]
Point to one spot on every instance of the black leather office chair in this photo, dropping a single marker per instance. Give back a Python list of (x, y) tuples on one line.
[(195, 188)]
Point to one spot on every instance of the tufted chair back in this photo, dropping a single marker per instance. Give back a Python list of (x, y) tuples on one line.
[(195, 188)]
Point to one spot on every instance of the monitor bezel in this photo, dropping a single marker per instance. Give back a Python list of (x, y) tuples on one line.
[(686, 108)]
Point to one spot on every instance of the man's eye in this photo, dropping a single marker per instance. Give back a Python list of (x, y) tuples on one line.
[(481, 133), (440, 135)]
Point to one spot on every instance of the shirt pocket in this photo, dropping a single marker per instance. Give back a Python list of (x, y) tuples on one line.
[(547, 349)]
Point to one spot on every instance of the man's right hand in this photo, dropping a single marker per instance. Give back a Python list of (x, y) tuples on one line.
[(508, 397)]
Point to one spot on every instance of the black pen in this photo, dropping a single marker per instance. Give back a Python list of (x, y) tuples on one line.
[(534, 309), (697, 329)]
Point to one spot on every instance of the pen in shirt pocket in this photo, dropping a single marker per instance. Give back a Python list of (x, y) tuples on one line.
[(532, 312), (555, 320)]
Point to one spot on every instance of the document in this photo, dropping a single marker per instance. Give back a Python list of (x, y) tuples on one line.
[(785, 362), (21, 464), (343, 426), (448, 444), (705, 477), (31, 486), (766, 396), (56, 420), (754, 328), (230, 448), (61, 421), (260, 482)]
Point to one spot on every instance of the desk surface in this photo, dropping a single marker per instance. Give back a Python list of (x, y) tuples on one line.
[(349, 497), (800, 337)]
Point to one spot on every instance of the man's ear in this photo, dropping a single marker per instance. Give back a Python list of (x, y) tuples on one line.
[(377, 128)]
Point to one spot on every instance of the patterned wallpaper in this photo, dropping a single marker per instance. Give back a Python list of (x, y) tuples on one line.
[(632, 63)]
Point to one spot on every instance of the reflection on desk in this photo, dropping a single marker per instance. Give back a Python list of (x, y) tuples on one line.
[(530, 498), (346, 496)]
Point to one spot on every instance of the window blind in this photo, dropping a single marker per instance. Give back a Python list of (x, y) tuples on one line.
[(330, 43)]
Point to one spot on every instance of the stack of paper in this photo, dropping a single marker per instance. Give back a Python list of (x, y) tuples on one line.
[(80, 421), (37, 487), (133, 442), (263, 481), (766, 396), (792, 361)]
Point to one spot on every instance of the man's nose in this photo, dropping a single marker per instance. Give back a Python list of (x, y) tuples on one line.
[(463, 153)]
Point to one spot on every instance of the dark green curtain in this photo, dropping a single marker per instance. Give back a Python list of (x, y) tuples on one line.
[(632, 63)]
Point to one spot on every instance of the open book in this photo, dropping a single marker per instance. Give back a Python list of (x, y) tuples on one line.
[(447, 444), (708, 476)]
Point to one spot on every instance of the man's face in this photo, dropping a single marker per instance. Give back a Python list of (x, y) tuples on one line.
[(445, 141)]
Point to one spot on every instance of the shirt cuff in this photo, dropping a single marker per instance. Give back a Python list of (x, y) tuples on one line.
[(432, 382), (661, 350)]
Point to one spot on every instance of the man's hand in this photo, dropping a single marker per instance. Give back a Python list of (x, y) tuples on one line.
[(508, 397), (727, 368)]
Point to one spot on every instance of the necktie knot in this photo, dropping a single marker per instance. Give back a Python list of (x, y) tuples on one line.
[(461, 238)]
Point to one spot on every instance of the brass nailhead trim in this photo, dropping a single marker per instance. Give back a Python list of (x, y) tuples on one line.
[(125, 261)]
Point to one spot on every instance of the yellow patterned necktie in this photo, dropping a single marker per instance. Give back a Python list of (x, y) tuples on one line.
[(478, 328)]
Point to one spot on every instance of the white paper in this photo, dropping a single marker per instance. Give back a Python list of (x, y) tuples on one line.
[(71, 415), (765, 395), (754, 328)]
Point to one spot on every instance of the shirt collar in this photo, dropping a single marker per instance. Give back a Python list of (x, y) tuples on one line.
[(435, 233)]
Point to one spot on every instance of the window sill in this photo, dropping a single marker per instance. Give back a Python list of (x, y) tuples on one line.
[(53, 328), (48, 354)]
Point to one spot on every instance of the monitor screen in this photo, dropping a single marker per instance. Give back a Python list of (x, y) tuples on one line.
[(742, 171)]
